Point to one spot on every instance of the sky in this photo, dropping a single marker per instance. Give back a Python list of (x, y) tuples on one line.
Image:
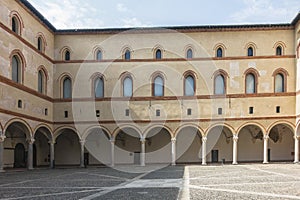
[(66, 14)]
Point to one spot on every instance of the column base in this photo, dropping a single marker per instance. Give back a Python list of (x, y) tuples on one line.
[(265, 162), (30, 168), (173, 164), (235, 163), (296, 162), (204, 164), (2, 170)]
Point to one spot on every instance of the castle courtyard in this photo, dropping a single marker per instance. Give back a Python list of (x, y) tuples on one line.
[(244, 181)]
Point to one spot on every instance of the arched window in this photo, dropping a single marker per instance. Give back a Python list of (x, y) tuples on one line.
[(279, 83), (40, 44), (189, 86), (16, 69), (219, 84), (127, 86), (41, 82), (99, 87), (158, 54), (99, 55), (67, 55), (279, 51), (250, 84), (15, 25), (219, 52), (67, 88), (127, 55), (158, 86), (250, 51), (189, 54)]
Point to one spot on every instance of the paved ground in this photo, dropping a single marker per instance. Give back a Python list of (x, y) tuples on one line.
[(251, 181)]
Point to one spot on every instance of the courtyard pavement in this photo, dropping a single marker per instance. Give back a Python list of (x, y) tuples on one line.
[(245, 181)]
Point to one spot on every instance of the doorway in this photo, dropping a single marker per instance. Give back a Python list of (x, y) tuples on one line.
[(19, 156), (215, 156)]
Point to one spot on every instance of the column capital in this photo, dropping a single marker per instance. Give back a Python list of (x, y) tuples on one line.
[(52, 142), (266, 137), (204, 139), (31, 140), (82, 142), (112, 140), (235, 138), (2, 138), (143, 140), (173, 140), (297, 137)]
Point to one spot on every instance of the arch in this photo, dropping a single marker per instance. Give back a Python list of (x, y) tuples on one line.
[(94, 78), (280, 83), (42, 79), (18, 55), (290, 125), (249, 83), (219, 50), (64, 51), (281, 45), (262, 128), (96, 51), (1, 128), (177, 131), (46, 127), (23, 122), (57, 132), (154, 50), (146, 132), (127, 52), (189, 51), (220, 82), (251, 45), (158, 85), (45, 131), (126, 126), (41, 38), (189, 84), (15, 15), (232, 130), (87, 132)]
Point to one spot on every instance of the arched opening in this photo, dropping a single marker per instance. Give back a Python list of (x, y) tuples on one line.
[(40, 44), (16, 146), (127, 55), (189, 145), (250, 83), (67, 88), (42, 138), (279, 51), (158, 146), (42, 82), (127, 86), (67, 148), (158, 86), (128, 147), (158, 54), (250, 51), (15, 25), (279, 83), (281, 143), (219, 85), (97, 147), (67, 55), (16, 69), (219, 144), (250, 144), (189, 54), (99, 87), (99, 55), (219, 52), (189, 86)]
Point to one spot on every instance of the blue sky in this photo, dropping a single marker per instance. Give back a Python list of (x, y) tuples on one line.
[(140, 13)]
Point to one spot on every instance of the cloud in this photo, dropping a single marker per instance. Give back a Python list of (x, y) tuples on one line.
[(122, 8), (270, 11), (133, 22), (69, 13)]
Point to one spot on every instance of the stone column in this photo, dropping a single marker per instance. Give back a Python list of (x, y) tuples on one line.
[(173, 140), (2, 138), (296, 149), (143, 141), (204, 139), (235, 140), (82, 142), (52, 143), (266, 139), (112, 158), (30, 153)]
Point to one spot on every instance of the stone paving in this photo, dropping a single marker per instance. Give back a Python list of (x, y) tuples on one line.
[(245, 181)]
